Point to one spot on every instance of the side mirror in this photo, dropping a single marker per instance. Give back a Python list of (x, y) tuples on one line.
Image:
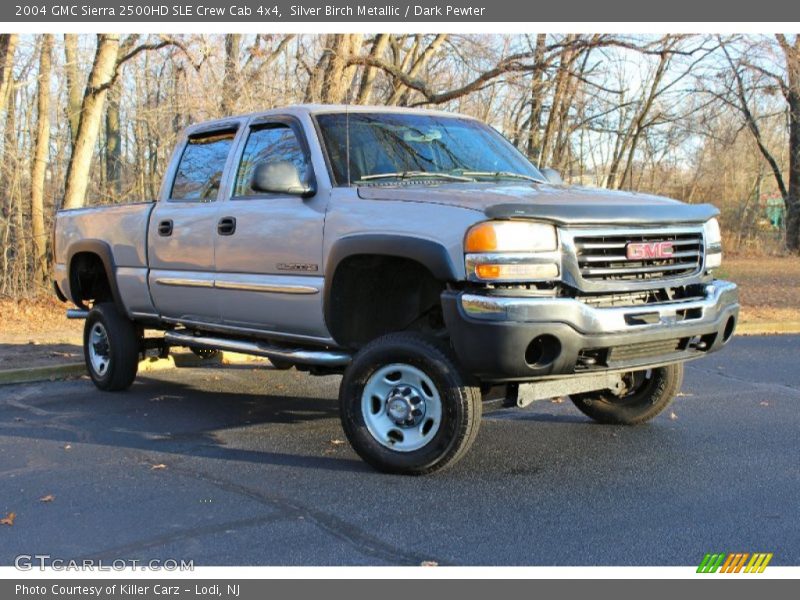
[(280, 177), (552, 176)]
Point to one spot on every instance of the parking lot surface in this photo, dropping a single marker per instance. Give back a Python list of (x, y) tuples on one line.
[(249, 466)]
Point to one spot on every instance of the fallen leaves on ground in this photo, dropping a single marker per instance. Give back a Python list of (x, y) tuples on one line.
[(48, 498), (333, 442), (8, 519)]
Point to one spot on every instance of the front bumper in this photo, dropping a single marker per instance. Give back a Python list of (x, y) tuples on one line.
[(510, 338)]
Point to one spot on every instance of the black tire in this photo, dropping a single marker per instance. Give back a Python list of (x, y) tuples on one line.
[(122, 348), (205, 353), (651, 391), (459, 404)]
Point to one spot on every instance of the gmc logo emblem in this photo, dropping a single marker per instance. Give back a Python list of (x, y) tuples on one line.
[(649, 250)]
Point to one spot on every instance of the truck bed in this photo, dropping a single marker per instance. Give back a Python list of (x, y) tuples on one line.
[(122, 229)]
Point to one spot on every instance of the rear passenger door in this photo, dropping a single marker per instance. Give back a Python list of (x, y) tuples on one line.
[(269, 268), (183, 228)]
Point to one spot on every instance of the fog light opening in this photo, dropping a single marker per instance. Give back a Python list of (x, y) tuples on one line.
[(729, 327), (542, 351)]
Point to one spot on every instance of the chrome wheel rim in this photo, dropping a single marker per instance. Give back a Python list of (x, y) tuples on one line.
[(401, 407), (99, 349)]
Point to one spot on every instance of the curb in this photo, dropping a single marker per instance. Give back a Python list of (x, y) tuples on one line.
[(768, 327), (148, 365), (42, 373)]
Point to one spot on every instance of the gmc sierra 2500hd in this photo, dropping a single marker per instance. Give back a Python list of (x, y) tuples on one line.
[(419, 254)]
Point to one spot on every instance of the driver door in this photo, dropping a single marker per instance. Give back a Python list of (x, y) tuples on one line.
[(269, 256)]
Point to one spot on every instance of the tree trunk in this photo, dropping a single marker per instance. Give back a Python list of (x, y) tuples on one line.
[(8, 45), (40, 159), (101, 76), (113, 144), (9, 177), (338, 77), (537, 99), (73, 84), (368, 77), (400, 95), (792, 198), (230, 82), (562, 77)]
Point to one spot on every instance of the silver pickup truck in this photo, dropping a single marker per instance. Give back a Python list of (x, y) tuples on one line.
[(417, 253)]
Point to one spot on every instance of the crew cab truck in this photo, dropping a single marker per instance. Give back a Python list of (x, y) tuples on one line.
[(417, 253)]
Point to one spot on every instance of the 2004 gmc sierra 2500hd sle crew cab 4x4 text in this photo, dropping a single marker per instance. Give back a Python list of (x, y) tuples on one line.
[(417, 253)]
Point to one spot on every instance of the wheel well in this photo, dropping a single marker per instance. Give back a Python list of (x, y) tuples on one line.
[(88, 279), (372, 295)]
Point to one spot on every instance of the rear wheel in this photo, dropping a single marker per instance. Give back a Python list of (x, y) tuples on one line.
[(405, 406), (111, 346), (645, 395)]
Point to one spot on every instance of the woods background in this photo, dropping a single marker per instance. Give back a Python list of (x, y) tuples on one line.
[(90, 120)]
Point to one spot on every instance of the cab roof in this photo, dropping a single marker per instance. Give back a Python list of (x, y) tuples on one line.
[(298, 110)]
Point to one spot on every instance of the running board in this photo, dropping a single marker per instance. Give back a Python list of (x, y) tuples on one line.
[(298, 356)]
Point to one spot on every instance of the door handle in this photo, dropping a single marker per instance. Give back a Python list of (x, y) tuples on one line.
[(165, 227), (226, 226)]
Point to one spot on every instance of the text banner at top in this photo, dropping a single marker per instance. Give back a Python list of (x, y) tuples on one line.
[(277, 11)]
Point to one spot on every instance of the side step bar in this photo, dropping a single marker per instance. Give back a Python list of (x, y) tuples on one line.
[(299, 356), (77, 313)]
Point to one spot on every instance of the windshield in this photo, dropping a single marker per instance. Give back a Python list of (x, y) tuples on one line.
[(385, 147)]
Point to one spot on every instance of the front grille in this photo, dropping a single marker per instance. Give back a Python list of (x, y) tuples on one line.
[(603, 257)]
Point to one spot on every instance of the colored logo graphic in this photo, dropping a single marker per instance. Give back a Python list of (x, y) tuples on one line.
[(735, 562)]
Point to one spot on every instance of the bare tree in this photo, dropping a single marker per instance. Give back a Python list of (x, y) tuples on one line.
[(74, 85), (739, 94), (102, 74), (40, 159), (8, 45)]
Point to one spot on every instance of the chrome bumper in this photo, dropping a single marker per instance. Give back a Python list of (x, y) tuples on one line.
[(720, 297), (505, 338)]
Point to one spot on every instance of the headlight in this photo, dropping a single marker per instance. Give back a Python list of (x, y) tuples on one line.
[(511, 236), (512, 251), (713, 239)]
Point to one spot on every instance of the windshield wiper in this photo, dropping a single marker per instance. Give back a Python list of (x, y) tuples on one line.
[(412, 174), (500, 174)]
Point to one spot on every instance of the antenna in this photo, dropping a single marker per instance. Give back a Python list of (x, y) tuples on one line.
[(347, 134)]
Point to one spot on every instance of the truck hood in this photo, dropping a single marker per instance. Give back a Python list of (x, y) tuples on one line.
[(565, 205)]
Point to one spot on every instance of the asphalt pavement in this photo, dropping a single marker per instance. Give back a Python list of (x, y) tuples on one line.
[(248, 466)]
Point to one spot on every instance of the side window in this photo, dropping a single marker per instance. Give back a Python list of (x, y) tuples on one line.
[(273, 143), (201, 167)]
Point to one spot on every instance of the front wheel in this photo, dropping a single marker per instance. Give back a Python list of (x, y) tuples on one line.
[(405, 407), (645, 395), (111, 347)]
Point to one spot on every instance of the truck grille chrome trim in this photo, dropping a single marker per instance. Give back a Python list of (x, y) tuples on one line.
[(599, 256), (599, 259), (594, 320)]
